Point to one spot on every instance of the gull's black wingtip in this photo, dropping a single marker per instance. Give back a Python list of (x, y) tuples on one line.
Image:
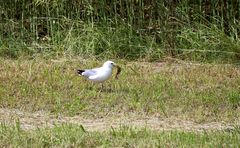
[(80, 71)]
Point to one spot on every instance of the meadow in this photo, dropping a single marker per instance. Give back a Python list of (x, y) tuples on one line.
[(206, 94), (179, 85)]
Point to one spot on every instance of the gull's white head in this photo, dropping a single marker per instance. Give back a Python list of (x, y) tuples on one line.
[(109, 64)]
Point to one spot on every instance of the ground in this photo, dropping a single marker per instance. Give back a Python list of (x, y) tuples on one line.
[(39, 119), (161, 95), (43, 102)]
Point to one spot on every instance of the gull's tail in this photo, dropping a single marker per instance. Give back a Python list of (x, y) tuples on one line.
[(80, 71)]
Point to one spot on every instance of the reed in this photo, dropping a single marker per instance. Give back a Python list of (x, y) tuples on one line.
[(26, 24)]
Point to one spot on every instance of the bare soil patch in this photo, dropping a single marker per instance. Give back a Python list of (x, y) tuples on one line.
[(29, 121)]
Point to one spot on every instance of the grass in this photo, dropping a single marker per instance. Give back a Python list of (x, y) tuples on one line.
[(33, 32), (207, 44), (68, 135), (85, 39), (199, 92), (122, 29)]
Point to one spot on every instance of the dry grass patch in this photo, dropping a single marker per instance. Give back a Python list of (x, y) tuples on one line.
[(199, 92)]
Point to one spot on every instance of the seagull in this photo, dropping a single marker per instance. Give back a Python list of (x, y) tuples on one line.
[(100, 74)]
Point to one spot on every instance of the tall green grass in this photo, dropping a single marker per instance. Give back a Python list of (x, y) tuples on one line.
[(121, 28)]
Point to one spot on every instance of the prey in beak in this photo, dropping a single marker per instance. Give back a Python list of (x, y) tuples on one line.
[(118, 70)]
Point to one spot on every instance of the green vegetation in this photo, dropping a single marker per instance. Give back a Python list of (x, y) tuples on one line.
[(76, 136), (194, 30), (43, 42), (200, 92)]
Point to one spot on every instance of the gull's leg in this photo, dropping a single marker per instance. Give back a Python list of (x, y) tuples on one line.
[(101, 86), (90, 85), (111, 86)]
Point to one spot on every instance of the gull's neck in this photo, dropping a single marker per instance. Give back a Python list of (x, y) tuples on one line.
[(107, 66)]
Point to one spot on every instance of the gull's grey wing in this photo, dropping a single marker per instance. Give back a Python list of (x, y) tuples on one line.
[(89, 72)]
